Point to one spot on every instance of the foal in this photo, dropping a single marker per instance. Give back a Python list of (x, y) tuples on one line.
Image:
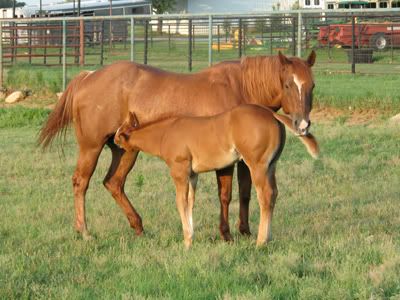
[(192, 145)]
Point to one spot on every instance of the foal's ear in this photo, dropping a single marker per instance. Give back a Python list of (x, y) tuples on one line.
[(132, 120), (283, 59), (311, 58)]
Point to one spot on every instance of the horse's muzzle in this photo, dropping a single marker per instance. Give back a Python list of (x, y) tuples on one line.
[(302, 126)]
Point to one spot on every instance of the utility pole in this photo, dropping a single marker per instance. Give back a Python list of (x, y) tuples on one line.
[(110, 33), (79, 8), (13, 9)]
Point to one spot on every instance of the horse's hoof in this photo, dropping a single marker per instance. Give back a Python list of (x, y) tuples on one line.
[(227, 237), (139, 231), (244, 230)]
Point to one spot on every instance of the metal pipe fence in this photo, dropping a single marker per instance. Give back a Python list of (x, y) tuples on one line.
[(342, 39)]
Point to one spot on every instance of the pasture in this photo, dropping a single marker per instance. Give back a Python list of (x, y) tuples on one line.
[(336, 227)]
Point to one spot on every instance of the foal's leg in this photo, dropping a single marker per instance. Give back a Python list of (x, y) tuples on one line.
[(181, 181), (224, 178), (85, 167), (266, 194), (244, 180), (122, 163), (192, 192)]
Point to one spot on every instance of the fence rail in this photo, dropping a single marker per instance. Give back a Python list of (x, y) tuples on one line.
[(342, 38)]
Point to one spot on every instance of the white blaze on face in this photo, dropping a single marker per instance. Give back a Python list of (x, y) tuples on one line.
[(299, 84)]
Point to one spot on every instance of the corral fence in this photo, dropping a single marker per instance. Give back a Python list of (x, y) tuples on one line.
[(343, 40)]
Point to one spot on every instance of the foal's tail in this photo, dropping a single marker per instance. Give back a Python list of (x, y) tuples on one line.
[(61, 116), (308, 140)]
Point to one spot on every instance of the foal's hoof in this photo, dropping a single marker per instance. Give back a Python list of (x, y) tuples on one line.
[(86, 236)]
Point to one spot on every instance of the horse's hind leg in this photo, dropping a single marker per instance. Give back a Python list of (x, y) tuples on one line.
[(244, 180), (122, 163), (86, 165), (224, 178)]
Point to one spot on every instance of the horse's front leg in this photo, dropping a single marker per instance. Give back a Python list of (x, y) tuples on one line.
[(244, 179), (224, 178)]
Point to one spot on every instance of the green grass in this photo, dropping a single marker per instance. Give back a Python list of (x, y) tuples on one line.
[(336, 226)]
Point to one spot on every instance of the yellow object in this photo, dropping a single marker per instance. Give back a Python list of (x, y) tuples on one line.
[(222, 46)]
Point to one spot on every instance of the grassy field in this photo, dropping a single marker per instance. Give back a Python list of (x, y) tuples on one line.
[(336, 226)]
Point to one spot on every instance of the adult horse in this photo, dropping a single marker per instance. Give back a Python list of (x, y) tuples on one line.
[(98, 102)]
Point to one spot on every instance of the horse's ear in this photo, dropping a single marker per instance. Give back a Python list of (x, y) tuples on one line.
[(283, 59), (132, 120), (311, 58)]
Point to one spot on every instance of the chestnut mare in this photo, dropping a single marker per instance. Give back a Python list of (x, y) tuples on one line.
[(192, 145), (97, 103)]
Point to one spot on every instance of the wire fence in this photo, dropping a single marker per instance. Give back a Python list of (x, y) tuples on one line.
[(345, 40)]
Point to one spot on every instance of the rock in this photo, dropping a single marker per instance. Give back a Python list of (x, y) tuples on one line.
[(395, 119), (59, 95), (15, 97)]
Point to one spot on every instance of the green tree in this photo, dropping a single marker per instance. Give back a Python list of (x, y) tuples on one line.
[(9, 3), (160, 7), (163, 6), (296, 5)]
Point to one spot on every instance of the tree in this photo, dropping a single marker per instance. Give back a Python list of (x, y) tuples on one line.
[(9, 3), (160, 7), (296, 5)]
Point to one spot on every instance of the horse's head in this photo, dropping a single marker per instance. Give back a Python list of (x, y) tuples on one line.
[(121, 138), (297, 84)]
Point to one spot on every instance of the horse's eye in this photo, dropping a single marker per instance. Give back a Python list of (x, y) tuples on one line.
[(286, 85)]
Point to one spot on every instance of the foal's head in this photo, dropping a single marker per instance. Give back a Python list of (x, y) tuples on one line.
[(121, 138), (298, 84)]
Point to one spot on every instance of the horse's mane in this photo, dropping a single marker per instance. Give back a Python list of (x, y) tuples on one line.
[(260, 77)]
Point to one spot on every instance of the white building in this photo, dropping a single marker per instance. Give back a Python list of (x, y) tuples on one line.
[(312, 4)]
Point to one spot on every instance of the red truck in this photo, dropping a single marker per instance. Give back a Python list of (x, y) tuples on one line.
[(378, 36)]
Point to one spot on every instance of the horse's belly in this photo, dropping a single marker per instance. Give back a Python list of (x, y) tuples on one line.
[(215, 161)]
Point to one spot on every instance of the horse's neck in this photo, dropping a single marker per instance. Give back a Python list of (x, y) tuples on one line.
[(148, 139), (260, 86)]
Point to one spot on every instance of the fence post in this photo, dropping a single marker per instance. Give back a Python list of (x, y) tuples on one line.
[(294, 36), (190, 44), (102, 44), (391, 41), (210, 39), (240, 38), (299, 31), (270, 35), (353, 38), (146, 40), (132, 39), (1, 54), (329, 43), (64, 44), (218, 41), (169, 37), (81, 42)]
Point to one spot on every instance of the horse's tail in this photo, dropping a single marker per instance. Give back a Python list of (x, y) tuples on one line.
[(308, 140), (59, 119)]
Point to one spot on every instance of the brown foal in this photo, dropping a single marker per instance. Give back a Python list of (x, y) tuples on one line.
[(192, 145)]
